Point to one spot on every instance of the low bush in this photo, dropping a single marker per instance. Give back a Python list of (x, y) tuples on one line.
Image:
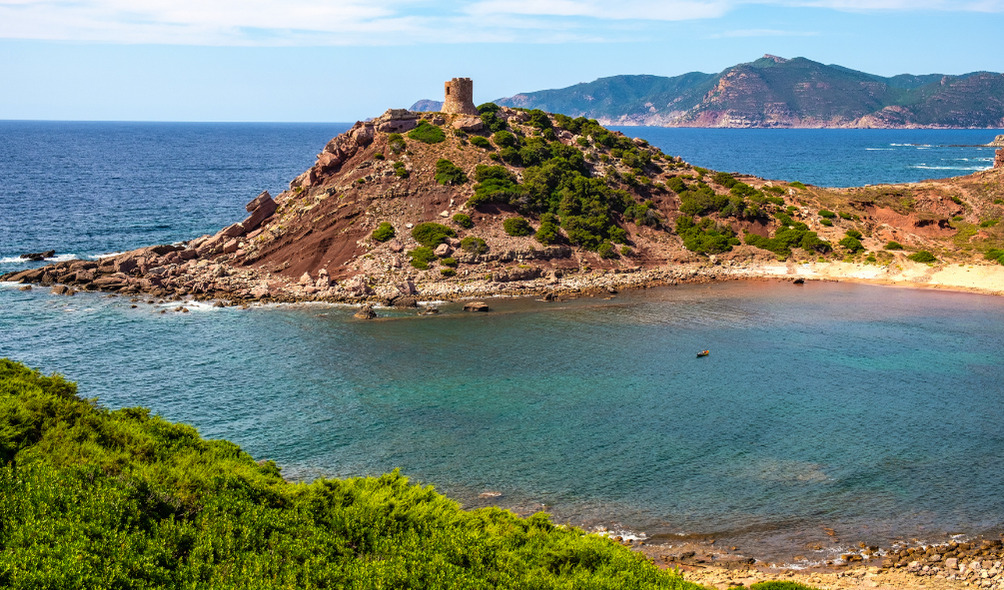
[(504, 139), (845, 215), (481, 142), (922, 256), (473, 245), (853, 245), (427, 133), (448, 272), (431, 234), (786, 585), (606, 250), (827, 214), (517, 226), (995, 254), (549, 232), (400, 171), (448, 261), (421, 257), (396, 143), (826, 222), (705, 236), (463, 220), (447, 173), (383, 232), (853, 233), (894, 245)]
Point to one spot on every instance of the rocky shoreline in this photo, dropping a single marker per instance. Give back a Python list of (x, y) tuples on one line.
[(977, 563)]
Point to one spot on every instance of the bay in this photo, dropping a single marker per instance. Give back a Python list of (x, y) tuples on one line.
[(872, 411)]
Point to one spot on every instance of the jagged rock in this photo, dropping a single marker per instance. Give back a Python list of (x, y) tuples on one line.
[(443, 250), (365, 313), (62, 290), (264, 209), (395, 245), (231, 231), (305, 279), (38, 256), (468, 124), (405, 302), (476, 306), (125, 265), (258, 201), (999, 159), (997, 142), (25, 288)]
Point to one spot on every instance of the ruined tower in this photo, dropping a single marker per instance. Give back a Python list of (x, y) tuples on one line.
[(460, 97)]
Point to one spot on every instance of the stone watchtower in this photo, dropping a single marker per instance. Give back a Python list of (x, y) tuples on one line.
[(460, 97)]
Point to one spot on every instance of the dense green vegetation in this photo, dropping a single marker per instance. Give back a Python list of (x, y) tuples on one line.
[(995, 254), (474, 245), (481, 142), (705, 236), (431, 234), (91, 498), (383, 232), (427, 133)]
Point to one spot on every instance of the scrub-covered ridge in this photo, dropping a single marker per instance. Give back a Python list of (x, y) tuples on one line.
[(512, 201)]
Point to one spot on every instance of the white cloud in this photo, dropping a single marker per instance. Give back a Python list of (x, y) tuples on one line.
[(389, 22), (762, 33)]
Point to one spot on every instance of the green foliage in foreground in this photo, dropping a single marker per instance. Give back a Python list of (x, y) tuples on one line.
[(780, 586), (705, 236), (91, 498)]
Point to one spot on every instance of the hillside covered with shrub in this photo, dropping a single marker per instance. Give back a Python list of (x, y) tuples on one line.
[(433, 205), (92, 498)]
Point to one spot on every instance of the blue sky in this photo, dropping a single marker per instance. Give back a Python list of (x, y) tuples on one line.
[(343, 60)]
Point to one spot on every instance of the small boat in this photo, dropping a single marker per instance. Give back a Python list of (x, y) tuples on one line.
[(703, 353)]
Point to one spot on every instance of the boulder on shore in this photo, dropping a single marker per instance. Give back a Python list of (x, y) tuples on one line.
[(476, 306), (38, 256)]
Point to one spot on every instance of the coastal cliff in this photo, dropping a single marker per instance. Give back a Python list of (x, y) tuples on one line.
[(411, 206)]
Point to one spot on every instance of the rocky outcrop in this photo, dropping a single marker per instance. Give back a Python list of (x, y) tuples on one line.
[(997, 142), (38, 256), (999, 159)]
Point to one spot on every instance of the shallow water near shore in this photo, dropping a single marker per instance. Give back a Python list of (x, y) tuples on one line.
[(872, 411)]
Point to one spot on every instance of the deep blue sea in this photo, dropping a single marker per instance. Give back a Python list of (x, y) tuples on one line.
[(876, 412)]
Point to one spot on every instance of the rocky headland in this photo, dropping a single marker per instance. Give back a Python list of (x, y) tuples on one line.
[(411, 206)]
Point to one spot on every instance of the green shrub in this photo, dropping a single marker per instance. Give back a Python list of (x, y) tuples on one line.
[(989, 222), (378, 156), (448, 272), (383, 232), (995, 254), (489, 116), (853, 233), (447, 173), (705, 236), (922, 256), (400, 171), (517, 226), (797, 185), (826, 222), (396, 143), (606, 250), (894, 245), (427, 133), (94, 498), (448, 261), (421, 257), (627, 251), (504, 139), (854, 245), (463, 220), (845, 215), (549, 232), (481, 142), (496, 184), (956, 200), (780, 586), (432, 234), (827, 214), (473, 245)]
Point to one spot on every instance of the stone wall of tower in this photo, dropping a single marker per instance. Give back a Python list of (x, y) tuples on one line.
[(459, 97)]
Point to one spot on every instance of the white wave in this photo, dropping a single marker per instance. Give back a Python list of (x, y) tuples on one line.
[(622, 533), (57, 258), (962, 168), (879, 149)]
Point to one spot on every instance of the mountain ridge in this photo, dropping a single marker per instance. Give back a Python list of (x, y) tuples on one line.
[(775, 92)]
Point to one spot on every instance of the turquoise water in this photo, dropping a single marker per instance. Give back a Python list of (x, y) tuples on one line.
[(872, 411), (875, 412)]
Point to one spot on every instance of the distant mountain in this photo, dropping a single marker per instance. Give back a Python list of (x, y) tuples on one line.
[(777, 92), (427, 106)]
